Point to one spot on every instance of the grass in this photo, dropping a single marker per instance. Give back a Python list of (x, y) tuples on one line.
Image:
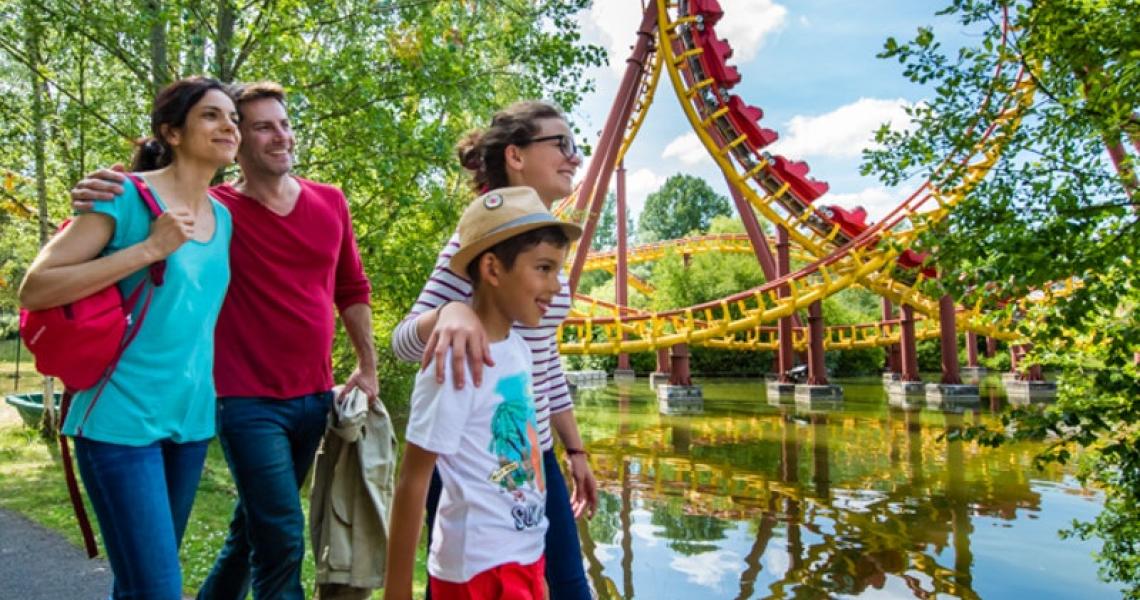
[(31, 476)]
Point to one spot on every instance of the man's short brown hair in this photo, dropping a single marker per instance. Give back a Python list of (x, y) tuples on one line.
[(248, 92)]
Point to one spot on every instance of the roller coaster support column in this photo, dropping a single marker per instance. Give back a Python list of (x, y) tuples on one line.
[(786, 356), (679, 395), (817, 372), (661, 374), (950, 392), (621, 277), (1026, 383), (907, 391), (782, 387), (597, 180), (908, 345), (948, 327), (816, 389), (1018, 369), (972, 368), (679, 362), (894, 360)]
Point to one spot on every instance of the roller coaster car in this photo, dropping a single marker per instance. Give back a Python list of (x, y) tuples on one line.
[(709, 10), (910, 259), (746, 119), (851, 222), (715, 56), (799, 373), (794, 173)]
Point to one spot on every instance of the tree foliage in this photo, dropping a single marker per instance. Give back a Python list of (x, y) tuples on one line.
[(379, 93), (605, 236), (1054, 207), (685, 204)]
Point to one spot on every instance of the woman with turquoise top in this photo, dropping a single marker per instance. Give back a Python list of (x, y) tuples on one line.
[(141, 447)]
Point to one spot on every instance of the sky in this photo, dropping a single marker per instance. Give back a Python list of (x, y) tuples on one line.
[(810, 65)]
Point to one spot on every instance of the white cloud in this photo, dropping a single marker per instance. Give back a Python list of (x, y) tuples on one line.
[(843, 132), (688, 149), (617, 24), (747, 24), (877, 200), (645, 533), (776, 560), (708, 568), (804, 22), (638, 185), (606, 552)]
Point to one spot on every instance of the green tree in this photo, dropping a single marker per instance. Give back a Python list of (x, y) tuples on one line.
[(605, 236), (1053, 207), (379, 94), (684, 205), (852, 306)]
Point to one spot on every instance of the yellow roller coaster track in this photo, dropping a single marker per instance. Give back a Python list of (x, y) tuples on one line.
[(868, 260), (726, 243), (647, 89), (722, 243)]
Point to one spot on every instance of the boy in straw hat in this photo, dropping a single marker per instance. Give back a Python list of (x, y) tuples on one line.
[(487, 540)]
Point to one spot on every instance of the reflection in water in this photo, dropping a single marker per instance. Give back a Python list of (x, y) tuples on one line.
[(753, 501)]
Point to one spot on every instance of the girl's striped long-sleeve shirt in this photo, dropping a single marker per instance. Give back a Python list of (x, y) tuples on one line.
[(551, 394)]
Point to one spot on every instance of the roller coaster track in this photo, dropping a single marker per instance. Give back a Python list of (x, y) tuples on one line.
[(647, 89), (781, 192), (730, 243), (724, 243), (836, 337)]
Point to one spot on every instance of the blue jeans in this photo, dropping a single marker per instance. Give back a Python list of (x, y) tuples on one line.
[(564, 573), (142, 497), (269, 445)]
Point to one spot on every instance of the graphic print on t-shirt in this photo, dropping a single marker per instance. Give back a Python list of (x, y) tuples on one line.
[(514, 440)]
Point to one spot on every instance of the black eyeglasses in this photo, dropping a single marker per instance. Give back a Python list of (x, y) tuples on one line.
[(566, 143)]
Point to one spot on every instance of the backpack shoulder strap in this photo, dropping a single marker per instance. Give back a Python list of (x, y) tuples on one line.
[(158, 269), (73, 483), (146, 194)]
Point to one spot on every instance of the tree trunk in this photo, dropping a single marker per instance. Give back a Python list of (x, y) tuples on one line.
[(159, 67), (33, 34), (223, 46)]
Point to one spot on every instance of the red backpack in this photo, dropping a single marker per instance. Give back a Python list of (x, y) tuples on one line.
[(81, 343)]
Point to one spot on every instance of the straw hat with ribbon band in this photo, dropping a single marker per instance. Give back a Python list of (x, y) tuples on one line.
[(499, 215)]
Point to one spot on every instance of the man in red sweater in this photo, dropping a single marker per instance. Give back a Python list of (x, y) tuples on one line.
[(293, 258)]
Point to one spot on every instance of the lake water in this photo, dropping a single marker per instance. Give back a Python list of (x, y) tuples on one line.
[(749, 500)]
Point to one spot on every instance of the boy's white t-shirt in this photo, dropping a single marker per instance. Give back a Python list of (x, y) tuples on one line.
[(493, 507)]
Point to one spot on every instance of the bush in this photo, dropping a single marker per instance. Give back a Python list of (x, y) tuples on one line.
[(854, 363)]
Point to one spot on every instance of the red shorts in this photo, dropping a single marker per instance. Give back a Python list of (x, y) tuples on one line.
[(511, 581)]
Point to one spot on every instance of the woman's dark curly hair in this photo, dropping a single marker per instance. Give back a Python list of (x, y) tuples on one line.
[(482, 151), (171, 106)]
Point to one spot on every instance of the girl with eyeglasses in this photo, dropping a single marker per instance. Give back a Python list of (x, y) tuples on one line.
[(527, 144)]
